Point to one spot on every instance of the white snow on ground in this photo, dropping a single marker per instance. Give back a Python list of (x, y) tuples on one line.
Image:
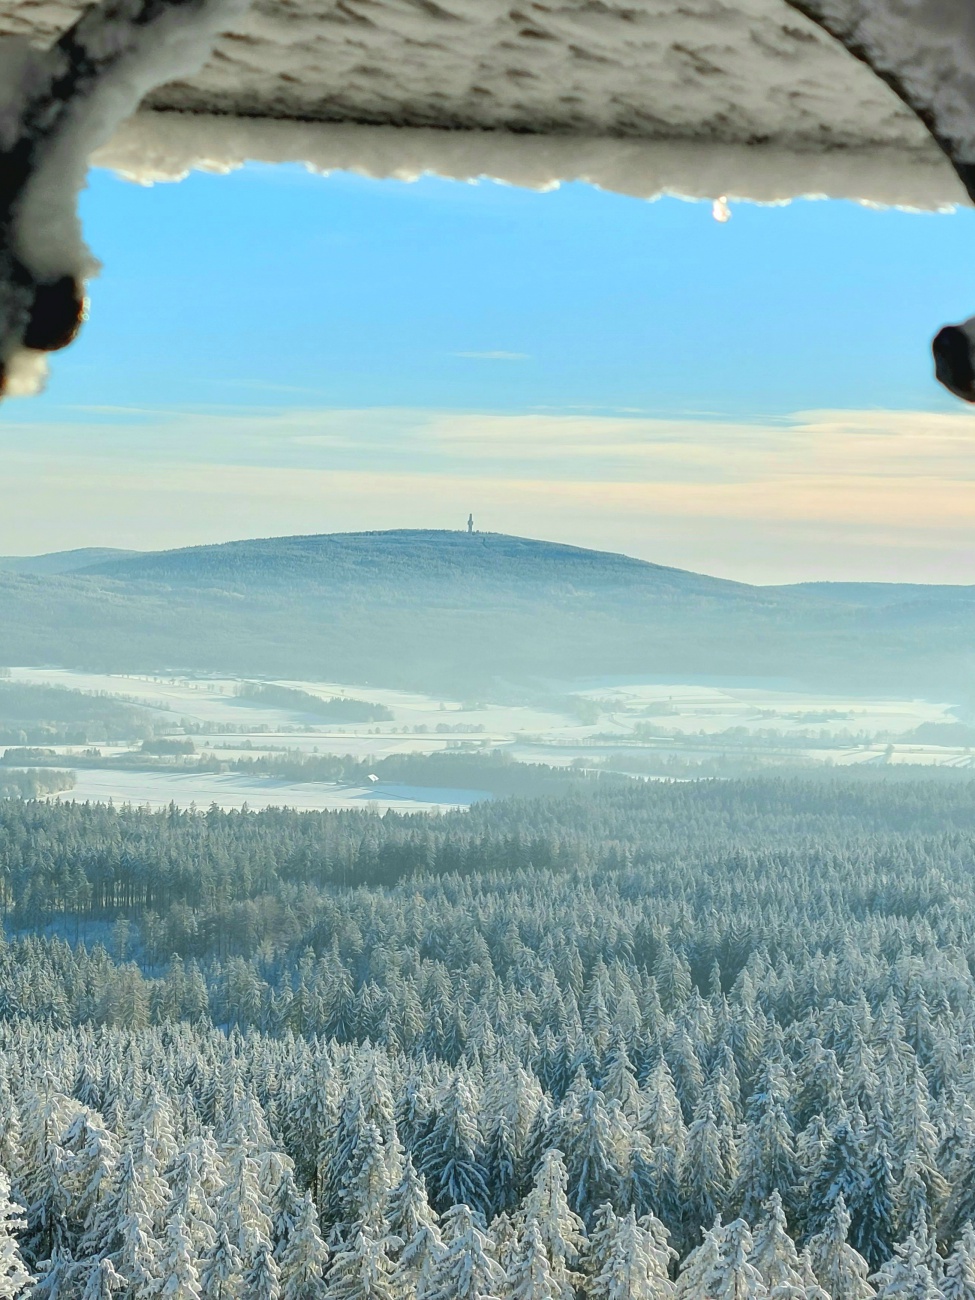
[(749, 99), (232, 790), (637, 719)]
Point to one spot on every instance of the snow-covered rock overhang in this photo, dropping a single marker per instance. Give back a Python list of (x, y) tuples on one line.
[(745, 98)]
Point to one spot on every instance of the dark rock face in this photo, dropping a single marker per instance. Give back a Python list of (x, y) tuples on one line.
[(954, 366), (56, 316)]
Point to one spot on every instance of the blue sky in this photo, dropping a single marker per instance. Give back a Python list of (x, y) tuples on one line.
[(273, 351)]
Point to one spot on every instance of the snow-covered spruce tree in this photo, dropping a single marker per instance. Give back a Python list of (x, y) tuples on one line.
[(958, 1282), (286, 1207), (243, 1209), (767, 1161), (632, 1267), (179, 1274), (303, 1257), (262, 1279), (362, 1271), (449, 1157), (123, 1229), (704, 1173), (14, 1275), (413, 1224), (841, 1173), (57, 1277), (597, 1139), (40, 1187), (530, 1276), (599, 1243), (841, 1270), (221, 1270), (618, 1082), (500, 1161), (561, 1231), (369, 1184), (660, 1121), (960, 1208), (774, 1252), (466, 1269), (103, 1282), (697, 1267), (732, 1275), (906, 1276), (874, 1233), (90, 1159), (189, 1199)]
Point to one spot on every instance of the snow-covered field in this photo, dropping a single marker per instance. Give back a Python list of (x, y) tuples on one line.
[(692, 707), (629, 724), (232, 790)]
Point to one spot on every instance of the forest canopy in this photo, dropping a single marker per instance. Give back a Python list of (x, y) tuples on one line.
[(638, 1040)]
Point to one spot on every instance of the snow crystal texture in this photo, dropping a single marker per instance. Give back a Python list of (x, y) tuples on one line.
[(698, 69)]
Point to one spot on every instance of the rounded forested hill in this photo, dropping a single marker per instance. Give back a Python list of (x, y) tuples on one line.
[(448, 611), (409, 556)]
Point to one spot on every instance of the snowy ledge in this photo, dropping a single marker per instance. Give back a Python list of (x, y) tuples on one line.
[(167, 146), (696, 97)]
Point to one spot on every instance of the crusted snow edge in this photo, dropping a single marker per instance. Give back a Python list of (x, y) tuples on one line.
[(163, 146)]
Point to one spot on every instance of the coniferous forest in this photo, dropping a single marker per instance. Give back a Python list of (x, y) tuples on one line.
[(688, 1041)]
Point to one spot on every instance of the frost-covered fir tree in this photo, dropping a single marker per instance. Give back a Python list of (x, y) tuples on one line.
[(958, 1282), (466, 1269), (262, 1278), (530, 1276), (303, 1257), (774, 1252), (561, 1231), (906, 1276), (362, 1271), (632, 1266), (14, 1274), (841, 1270), (732, 1275)]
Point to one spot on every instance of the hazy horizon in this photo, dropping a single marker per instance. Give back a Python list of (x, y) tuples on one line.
[(460, 529)]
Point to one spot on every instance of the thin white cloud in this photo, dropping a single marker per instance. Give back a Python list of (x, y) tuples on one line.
[(494, 356)]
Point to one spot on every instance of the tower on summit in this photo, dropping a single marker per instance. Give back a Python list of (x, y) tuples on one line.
[(470, 524)]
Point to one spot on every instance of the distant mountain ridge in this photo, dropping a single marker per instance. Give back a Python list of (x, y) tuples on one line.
[(448, 610), (438, 552), (63, 561)]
